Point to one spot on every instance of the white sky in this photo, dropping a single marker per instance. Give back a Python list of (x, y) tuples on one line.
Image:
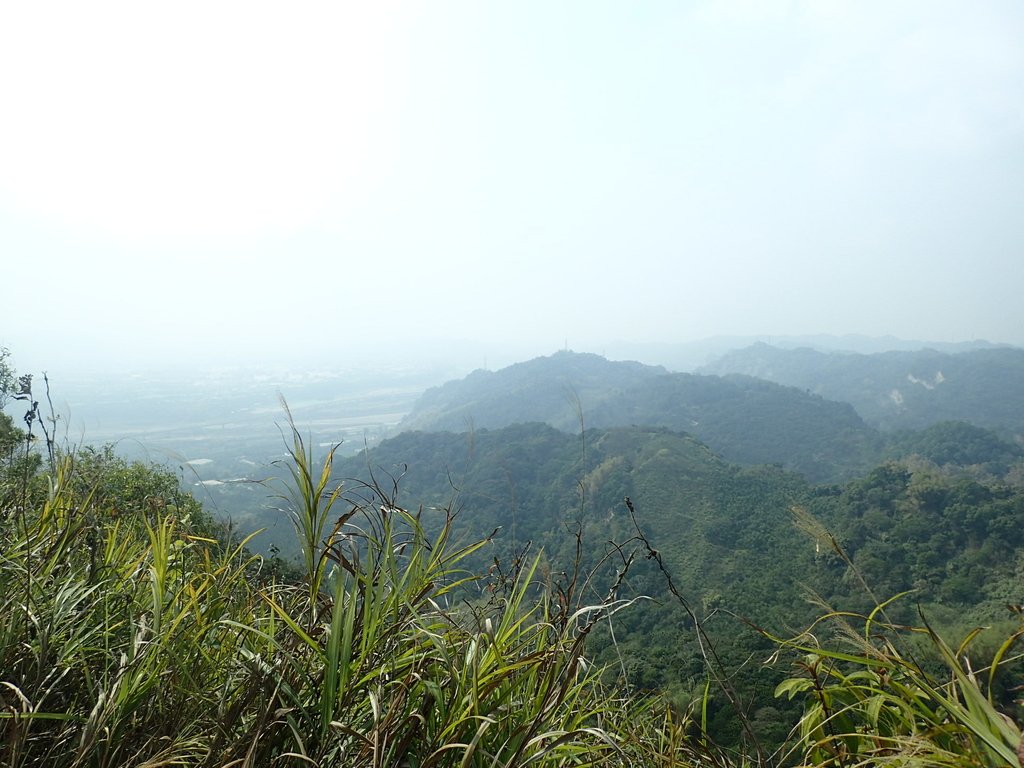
[(185, 179)]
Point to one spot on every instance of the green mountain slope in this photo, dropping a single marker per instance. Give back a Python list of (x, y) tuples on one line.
[(535, 482), (751, 422), (726, 534), (743, 419), (963, 449)]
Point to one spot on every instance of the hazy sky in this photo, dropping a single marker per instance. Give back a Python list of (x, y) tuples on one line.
[(259, 178)]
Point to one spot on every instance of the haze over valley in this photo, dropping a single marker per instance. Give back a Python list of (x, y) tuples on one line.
[(828, 414)]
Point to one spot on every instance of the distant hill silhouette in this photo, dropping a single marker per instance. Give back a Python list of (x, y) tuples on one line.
[(899, 390), (743, 419), (691, 356), (549, 389)]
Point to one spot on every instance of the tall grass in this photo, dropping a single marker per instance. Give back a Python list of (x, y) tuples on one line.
[(131, 635), (868, 702), (872, 698)]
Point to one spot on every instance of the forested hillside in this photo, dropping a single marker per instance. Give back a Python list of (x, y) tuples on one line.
[(743, 419), (960, 448), (899, 390), (729, 536), (750, 421)]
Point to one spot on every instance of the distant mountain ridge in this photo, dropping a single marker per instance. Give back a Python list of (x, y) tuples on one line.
[(547, 389), (691, 356), (899, 390), (744, 419)]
